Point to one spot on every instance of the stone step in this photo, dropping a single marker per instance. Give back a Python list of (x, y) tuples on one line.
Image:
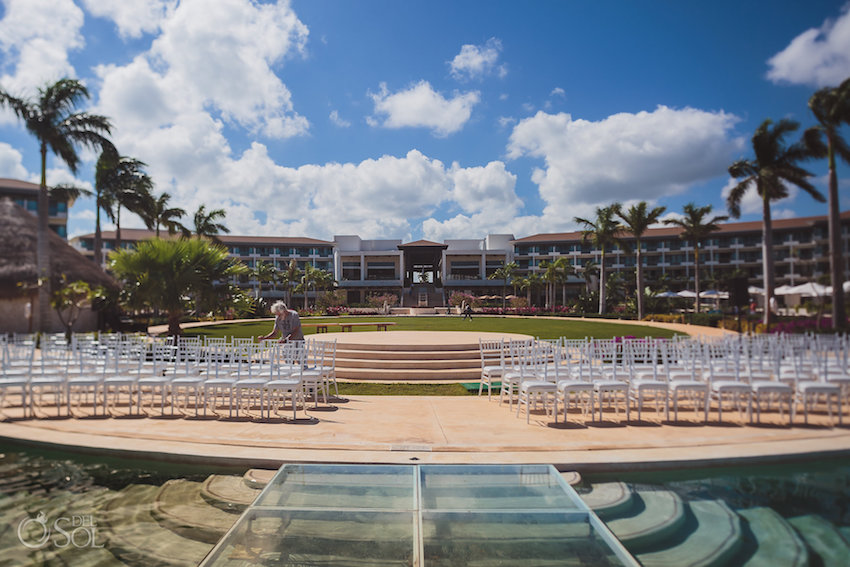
[(227, 492), (136, 538), (179, 506), (656, 516), (609, 499), (258, 478), (393, 364), (372, 354), (823, 539), (378, 374), (775, 540), (712, 537)]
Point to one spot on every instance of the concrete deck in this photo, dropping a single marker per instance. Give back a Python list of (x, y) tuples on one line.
[(470, 429), (387, 429)]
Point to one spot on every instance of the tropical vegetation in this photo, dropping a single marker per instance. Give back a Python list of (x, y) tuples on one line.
[(53, 119), (179, 276), (769, 173)]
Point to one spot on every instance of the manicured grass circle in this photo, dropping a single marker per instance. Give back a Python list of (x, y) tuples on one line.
[(534, 326)]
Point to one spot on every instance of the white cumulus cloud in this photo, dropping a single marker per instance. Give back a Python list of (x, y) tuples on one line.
[(477, 61), (818, 57), (339, 121), (421, 106), (641, 156), (132, 18), (37, 35)]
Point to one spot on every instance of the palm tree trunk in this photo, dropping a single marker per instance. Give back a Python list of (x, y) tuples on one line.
[(836, 259), (602, 283), (174, 323), (639, 283), (696, 276), (118, 227), (767, 261), (98, 236), (43, 248)]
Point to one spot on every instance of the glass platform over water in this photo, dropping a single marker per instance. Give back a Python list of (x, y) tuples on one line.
[(425, 515)]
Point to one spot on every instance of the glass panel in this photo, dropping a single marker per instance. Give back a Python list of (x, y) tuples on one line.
[(341, 486), (512, 538), (317, 537), (492, 487)]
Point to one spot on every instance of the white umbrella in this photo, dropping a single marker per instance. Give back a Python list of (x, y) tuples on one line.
[(753, 290), (845, 287), (686, 293), (714, 294), (783, 290), (667, 294), (809, 289)]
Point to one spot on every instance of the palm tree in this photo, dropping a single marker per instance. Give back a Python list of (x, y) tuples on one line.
[(555, 272), (588, 271), (166, 274), (206, 225), (770, 173), (637, 220), (602, 232), (695, 228), (288, 277), (160, 214), (263, 272), (506, 272), (831, 107), (307, 278), (121, 182), (52, 118), (529, 283)]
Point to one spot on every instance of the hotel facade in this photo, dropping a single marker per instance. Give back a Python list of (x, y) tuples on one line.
[(425, 273)]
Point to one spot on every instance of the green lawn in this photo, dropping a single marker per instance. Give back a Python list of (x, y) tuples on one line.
[(537, 327)]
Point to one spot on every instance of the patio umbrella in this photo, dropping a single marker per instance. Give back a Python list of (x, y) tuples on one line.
[(753, 290), (686, 293), (809, 289), (667, 294), (713, 294), (845, 287), (783, 290)]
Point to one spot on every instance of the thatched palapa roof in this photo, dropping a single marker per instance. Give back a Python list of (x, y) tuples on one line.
[(18, 262)]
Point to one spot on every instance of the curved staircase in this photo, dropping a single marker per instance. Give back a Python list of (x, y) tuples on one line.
[(427, 356), (662, 529), (175, 524)]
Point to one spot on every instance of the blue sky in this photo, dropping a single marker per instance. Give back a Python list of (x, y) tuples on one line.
[(437, 119)]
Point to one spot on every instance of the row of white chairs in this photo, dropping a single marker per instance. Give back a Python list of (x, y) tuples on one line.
[(148, 375), (751, 374)]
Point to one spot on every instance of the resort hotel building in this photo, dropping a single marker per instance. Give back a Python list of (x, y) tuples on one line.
[(425, 274)]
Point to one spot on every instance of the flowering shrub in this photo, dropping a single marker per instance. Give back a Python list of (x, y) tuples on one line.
[(809, 325), (457, 298)]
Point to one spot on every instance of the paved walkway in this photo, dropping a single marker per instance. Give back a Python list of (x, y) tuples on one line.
[(387, 429)]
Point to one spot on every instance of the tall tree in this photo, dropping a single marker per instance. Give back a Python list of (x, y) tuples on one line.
[(506, 272), (831, 107), (207, 225), (160, 214), (637, 219), (770, 172), (695, 228), (175, 275), (602, 232), (52, 118), (289, 277), (121, 182)]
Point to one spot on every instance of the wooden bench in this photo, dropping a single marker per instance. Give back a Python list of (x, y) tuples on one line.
[(380, 325), (324, 327)]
